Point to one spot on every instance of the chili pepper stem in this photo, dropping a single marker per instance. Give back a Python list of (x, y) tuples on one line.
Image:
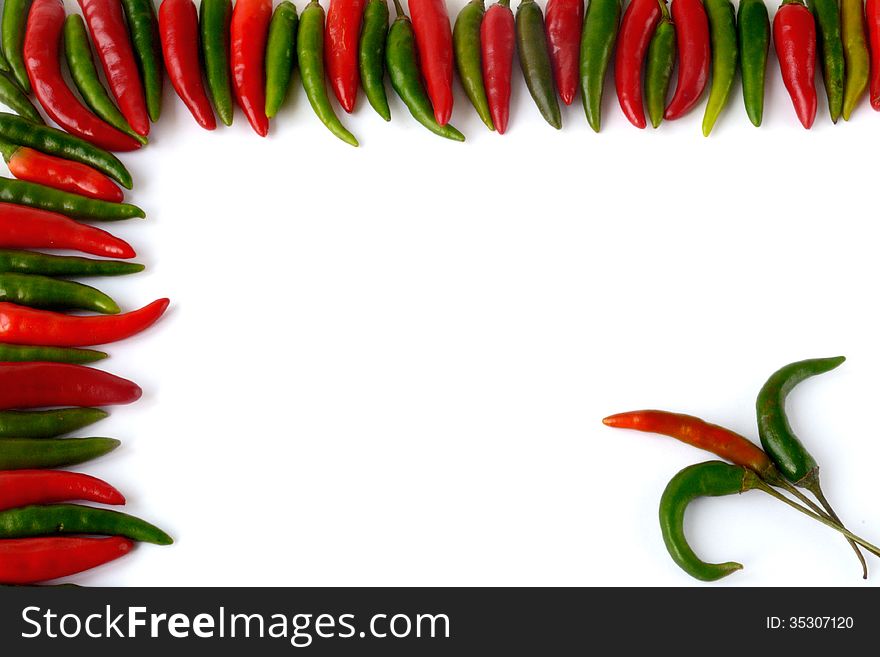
[(817, 491), (399, 9)]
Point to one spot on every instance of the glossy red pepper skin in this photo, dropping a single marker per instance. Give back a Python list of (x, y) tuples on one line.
[(22, 227), (636, 29), (31, 560), (26, 487), (249, 31), (67, 175), (109, 31), (872, 18), (563, 21), (341, 38), (692, 39), (497, 44), (28, 326), (434, 43), (42, 43), (179, 34), (44, 385), (794, 34)]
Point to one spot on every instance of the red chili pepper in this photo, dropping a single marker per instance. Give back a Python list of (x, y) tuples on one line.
[(341, 37), (249, 31), (25, 487), (497, 43), (434, 41), (29, 326), (563, 22), (110, 34), (32, 560), (636, 29), (179, 32), (872, 15), (694, 431), (794, 32), (75, 177), (692, 36), (42, 43), (43, 385), (22, 227)]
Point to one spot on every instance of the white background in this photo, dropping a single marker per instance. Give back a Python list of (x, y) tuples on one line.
[(389, 365)]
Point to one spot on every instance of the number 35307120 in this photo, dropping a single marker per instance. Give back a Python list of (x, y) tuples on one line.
[(810, 623)]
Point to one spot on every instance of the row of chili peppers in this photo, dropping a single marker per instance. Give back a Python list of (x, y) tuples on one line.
[(783, 463), (47, 390)]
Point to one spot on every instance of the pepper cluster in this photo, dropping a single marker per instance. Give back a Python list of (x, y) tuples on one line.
[(783, 463)]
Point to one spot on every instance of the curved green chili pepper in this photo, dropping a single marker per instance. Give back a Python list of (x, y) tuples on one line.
[(15, 99), (214, 19), (12, 29), (710, 479), (44, 292), (830, 47), (30, 453), (534, 58), (661, 60), (406, 78), (371, 56), (597, 46), (144, 28), (72, 205), (15, 353), (310, 55), (753, 24), (78, 52), (31, 262), (468, 59), (722, 31), (23, 132), (855, 53), (44, 520), (280, 55), (47, 424)]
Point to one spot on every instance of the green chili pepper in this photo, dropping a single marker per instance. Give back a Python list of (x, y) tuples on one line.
[(44, 292), (15, 353), (855, 52), (23, 132), (753, 23), (144, 27), (12, 29), (310, 55), (214, 19), (830, 46), (597, 46), (661, 60), (15, 99), (534, 58), (468, 59), (31, 262), (710, 479), (280, 55), (371, 56), (30, 453), (78, 52), (406, 78), (42, 520), (47, 424), (722, 31), (72, 205)]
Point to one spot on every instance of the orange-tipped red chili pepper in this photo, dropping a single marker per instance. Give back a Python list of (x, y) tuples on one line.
[(32, 560), (497, 45), (42, 53), (26, 487), (563, 20), (21, 325), (692, 37), (248, 34), (794, 34), (434, 42), (69, 176), (872, 18), (109, 31), (341, 37), (44, 385), (179, 33), (636, 29), (22, 227)]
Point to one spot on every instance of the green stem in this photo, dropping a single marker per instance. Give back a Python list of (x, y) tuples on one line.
[(817, 491), (399, 9)]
